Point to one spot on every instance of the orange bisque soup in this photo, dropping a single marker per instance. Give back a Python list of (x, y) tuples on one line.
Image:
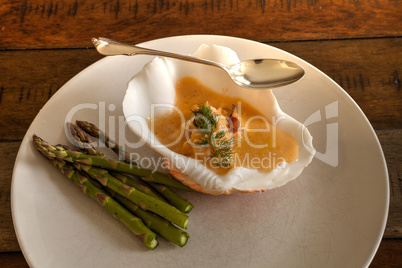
[(257, 144)]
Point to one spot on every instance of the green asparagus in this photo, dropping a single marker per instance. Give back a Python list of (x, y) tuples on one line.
[(134, 224), (175, 199), (84, 140), (94, 131), (154, 222), (79, 135), (106, 163), (143, 200), (80, 139), (134, 182)]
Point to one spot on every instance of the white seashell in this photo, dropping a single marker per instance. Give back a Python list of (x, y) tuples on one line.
[(154, 87)]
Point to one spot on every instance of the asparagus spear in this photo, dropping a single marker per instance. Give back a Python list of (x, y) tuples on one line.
[(167, 193), (81, 140), (134, 224), (151, 220), (143, 200), (154, 222), (106, 163), (84, 142), (176, 200), (94, 131), (136, 183)]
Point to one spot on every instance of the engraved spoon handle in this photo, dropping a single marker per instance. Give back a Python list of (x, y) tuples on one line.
[(108, 47)]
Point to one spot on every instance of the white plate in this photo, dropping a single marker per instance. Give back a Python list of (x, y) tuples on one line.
[(333, 215)]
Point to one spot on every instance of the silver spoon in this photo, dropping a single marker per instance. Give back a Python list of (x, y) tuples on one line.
[(254, 74)]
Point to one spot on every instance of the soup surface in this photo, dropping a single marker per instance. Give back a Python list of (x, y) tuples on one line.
[(256, 142)]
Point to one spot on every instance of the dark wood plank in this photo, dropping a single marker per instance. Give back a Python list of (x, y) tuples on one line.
[(71, 23), (391, 142), (369, 70), (13, 260), (388, 254), (8, 239), (29, 78)]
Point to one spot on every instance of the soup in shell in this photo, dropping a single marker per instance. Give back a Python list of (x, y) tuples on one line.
[(157, 92)]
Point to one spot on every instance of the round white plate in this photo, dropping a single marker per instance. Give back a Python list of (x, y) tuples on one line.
[(333, 215)]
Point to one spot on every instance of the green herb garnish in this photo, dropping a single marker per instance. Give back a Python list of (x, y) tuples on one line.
[(221, 147)]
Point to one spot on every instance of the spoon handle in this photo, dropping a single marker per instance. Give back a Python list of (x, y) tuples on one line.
[(108, 47)]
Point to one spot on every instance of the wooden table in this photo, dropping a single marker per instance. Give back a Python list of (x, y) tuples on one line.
[(44, 43)]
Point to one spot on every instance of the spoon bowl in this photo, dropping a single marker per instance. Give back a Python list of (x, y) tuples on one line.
[(253, 74)]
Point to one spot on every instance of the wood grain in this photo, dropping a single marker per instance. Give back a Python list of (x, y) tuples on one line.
[(388, 254), (13, 260), (391, 142), (71, 23), (29, 78), (371, 74), (8, 239)]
